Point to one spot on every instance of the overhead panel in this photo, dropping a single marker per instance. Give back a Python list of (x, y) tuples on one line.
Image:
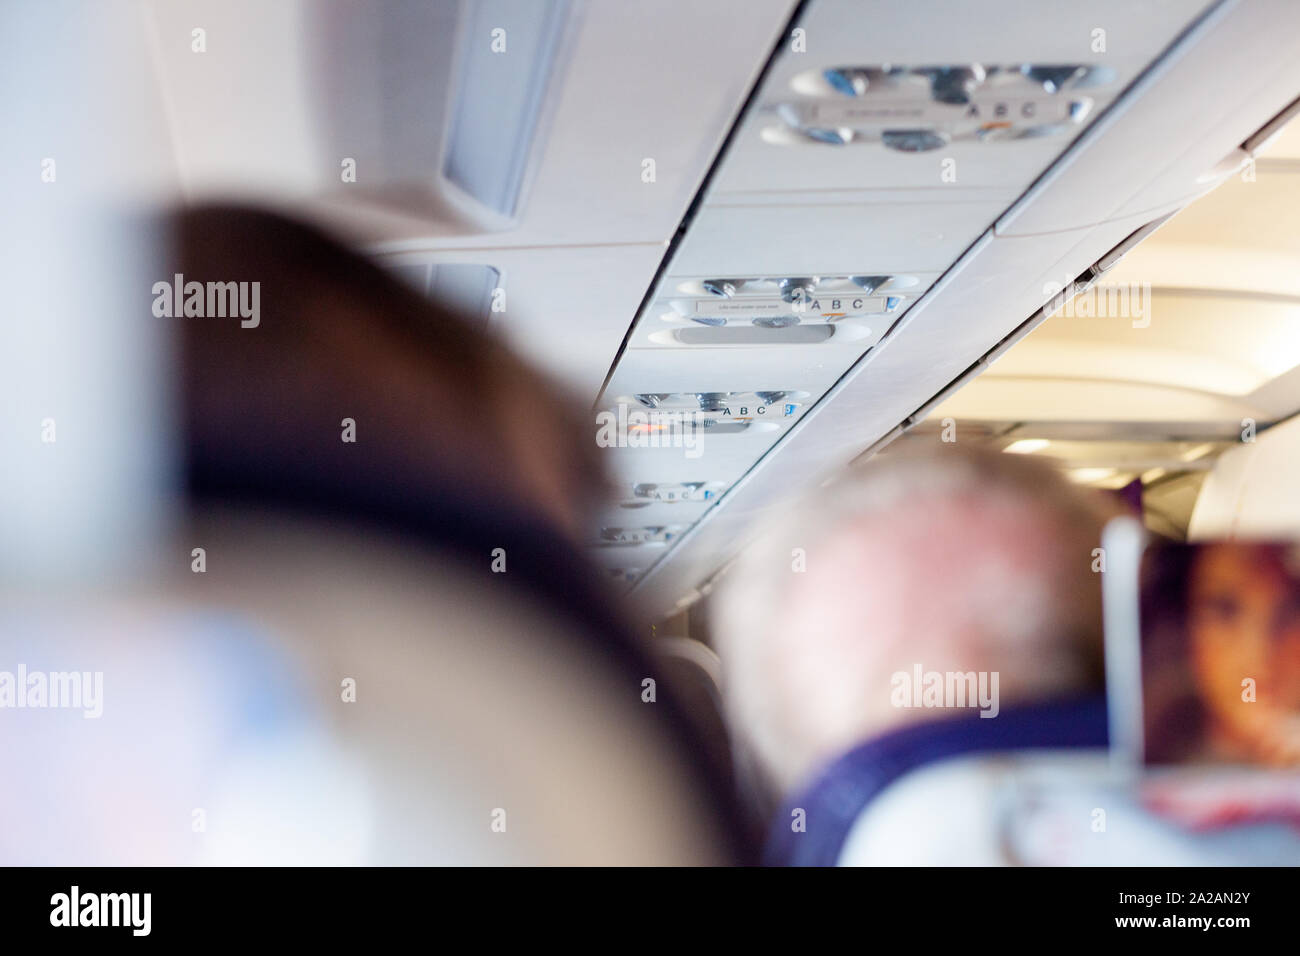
[(872, 156)]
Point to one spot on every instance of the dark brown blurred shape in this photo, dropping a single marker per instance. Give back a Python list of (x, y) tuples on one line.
[(436, 402)]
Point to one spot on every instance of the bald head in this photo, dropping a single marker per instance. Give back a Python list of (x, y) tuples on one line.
[(955, 560)]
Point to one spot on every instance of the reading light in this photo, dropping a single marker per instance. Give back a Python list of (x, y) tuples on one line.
[(797, 289), (953, 84), (869, 284), (712, 401), (1052, 78), (837, 136), (847, 81)]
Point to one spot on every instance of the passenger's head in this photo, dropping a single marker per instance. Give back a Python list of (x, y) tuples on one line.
[(954, 560), (434, 400)]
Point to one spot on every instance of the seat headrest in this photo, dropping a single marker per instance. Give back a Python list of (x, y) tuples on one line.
[(813, 827)]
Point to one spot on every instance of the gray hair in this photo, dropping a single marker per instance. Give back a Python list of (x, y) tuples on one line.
[(772, 678)]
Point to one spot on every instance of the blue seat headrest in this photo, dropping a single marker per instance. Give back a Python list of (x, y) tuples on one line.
[(836, 798)]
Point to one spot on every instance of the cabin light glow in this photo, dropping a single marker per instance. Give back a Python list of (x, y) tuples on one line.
[(1027, 446), (1084, 476), (1200, 451)]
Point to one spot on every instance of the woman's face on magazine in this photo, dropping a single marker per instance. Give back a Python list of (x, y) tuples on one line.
[(1244, 622)]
